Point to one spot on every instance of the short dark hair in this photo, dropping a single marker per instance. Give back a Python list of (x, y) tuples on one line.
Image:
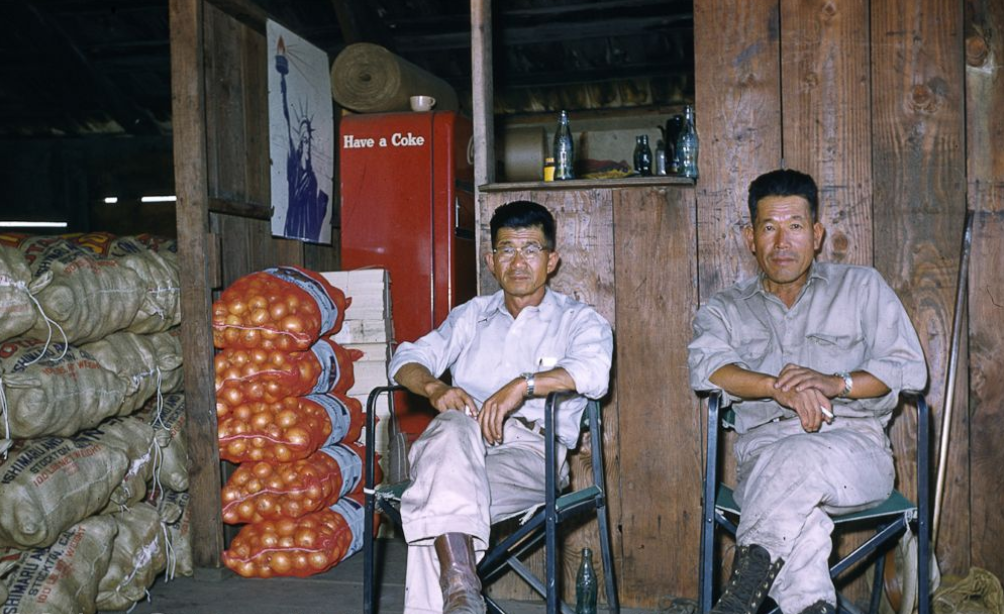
[(524, 214), (783, 182)]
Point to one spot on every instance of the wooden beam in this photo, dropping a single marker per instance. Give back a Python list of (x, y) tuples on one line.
[(68, 64), (361, 24), (482, 92), (191, 186)]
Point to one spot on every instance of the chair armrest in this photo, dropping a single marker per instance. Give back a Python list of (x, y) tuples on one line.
[(371, 401)]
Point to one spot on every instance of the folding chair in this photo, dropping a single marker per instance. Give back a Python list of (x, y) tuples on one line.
[(542, 525), (890, 518)]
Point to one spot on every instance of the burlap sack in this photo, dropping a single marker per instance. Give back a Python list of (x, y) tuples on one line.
[(47, 485), (139, 554), (136, 439), (161, 306), (145, 361), (16, 289), (177, 515), (59, 394), (89, 296), (169, 428), (62, 578)]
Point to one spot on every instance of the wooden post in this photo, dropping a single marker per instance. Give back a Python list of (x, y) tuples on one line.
[(190, 167), (484, 106)]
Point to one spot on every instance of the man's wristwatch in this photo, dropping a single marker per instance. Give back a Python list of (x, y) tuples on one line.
[(530, 381), (848, 382)]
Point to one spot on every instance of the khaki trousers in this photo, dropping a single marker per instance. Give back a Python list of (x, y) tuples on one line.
[(789, 483), (460, 485)]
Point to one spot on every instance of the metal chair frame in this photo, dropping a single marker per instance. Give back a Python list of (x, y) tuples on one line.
[(891, 516), (542, 525)]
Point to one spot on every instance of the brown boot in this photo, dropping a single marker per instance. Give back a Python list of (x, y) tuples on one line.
[(458, 575), (753, 574)]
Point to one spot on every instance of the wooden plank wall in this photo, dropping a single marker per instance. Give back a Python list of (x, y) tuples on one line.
[(984, 49), (644, 239), (586, 244), (221, 154), (900, 121)]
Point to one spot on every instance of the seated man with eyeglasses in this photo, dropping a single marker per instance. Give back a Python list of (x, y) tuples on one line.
[(481, 459)]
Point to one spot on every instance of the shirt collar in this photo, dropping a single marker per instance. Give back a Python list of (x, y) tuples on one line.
[(547, 307), (754, 285)]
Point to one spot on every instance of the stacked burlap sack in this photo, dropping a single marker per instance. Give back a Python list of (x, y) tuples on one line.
[(92, 425), (284, 415)]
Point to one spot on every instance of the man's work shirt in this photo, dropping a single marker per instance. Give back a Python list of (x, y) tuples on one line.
[(485, 348), (845, 319)]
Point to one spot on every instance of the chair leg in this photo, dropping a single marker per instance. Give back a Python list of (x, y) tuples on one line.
[(368, 562), (877, 584), (613, 602)]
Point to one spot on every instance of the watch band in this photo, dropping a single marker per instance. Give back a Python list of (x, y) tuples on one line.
[(848, 382), (530, 381)]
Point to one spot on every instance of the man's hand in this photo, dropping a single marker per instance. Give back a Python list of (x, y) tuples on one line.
[(798, 378), (497, 408), (444, 398), (809, 404)]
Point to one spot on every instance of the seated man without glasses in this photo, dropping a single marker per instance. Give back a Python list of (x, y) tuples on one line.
[(812, 356), (482, 458)]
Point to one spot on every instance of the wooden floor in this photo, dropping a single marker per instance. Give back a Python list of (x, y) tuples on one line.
[(339, 591)]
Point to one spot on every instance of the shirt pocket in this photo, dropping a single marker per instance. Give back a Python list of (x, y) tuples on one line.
[(830, 352)]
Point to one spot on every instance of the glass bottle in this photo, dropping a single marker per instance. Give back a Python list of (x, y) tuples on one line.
[(660, 158), (564, 150), (642, 156), (687, 145), (585, 585)]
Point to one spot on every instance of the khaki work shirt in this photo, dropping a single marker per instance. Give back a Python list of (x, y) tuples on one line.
[(845, 319)]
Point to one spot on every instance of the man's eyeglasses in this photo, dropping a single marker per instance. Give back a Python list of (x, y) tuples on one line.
[(530, 252)]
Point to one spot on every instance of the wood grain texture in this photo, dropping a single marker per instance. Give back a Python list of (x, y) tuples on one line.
[(226, 135), (483, 116), (738, 108), (984, 47), (584, 221), (190, 167), (660, 419), (825, 92), (919, 194)]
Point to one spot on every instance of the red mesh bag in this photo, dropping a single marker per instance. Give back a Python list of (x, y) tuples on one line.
[(326, 367), (298, 547), (289, 430), (282, 308), (266, 491)]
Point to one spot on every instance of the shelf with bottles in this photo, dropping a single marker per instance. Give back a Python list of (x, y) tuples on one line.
[(630, 181)]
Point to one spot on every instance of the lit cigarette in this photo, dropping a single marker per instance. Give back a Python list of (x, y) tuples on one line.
[(826, 412)]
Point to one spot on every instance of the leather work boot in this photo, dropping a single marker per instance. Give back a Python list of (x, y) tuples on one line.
[(752, 576), (820, 607), (458, 577)]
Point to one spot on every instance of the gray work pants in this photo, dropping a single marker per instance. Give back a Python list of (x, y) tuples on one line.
[(789, 483), (460, 485)]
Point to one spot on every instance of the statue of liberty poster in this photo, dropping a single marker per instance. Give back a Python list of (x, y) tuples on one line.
[(301, 137)]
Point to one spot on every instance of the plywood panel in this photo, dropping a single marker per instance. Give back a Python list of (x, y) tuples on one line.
[(225, 113), (984, 48), (584, 221), (660, 419), (738, 108), (919, 201), (825, 90)]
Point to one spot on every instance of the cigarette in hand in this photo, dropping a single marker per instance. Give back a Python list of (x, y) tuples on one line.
[(826, 412)]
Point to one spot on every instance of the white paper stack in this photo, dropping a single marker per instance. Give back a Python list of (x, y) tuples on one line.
[(367, 328)]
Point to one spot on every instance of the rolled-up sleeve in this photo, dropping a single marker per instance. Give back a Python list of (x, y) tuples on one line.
[(437, 350), (590, 353), (711, 349), (895, 355)]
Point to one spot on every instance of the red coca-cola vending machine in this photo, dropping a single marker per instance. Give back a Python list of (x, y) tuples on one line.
[(407, 205)]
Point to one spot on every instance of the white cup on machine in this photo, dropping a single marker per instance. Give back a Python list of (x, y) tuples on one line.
[(422, 103)]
